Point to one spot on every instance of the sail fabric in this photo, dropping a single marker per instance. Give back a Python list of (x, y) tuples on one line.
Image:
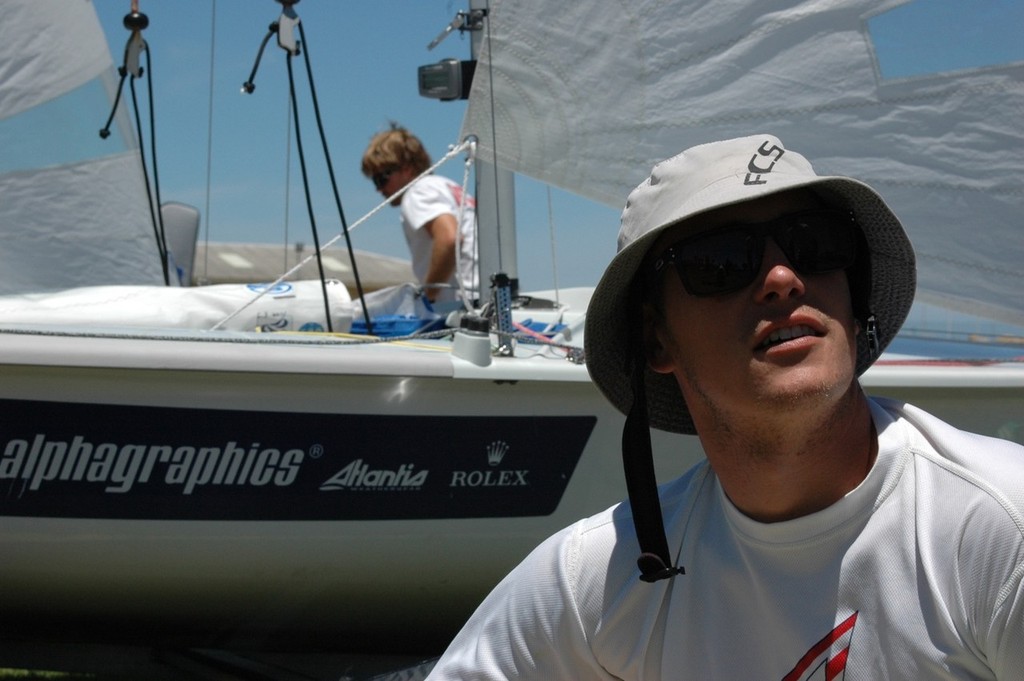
[(47, 48), (73, 207), (589, 96), (288, 306)]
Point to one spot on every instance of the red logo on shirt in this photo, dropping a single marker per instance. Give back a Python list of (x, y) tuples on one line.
[(457, 193), (826, 660)]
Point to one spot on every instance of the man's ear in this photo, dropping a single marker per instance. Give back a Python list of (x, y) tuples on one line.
[(656, 341)]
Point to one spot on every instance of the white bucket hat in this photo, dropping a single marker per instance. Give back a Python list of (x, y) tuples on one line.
[(704, 178)]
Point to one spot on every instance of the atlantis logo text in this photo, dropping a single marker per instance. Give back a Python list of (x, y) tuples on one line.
[(359, 476)]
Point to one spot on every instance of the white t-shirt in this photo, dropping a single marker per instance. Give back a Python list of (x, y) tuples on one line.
[(915, 574), (428, 198)]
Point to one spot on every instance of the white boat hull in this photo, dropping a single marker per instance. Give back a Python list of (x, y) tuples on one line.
[(361, 495)]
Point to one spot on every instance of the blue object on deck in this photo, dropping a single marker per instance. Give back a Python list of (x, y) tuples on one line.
[(395, 325)]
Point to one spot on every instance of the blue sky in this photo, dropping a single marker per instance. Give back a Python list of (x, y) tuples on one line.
[(364, 55)]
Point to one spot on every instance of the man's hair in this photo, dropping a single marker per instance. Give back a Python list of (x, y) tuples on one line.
[(393, 149)]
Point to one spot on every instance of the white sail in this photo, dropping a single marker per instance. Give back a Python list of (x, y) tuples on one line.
[(73, 207), (588, 96)]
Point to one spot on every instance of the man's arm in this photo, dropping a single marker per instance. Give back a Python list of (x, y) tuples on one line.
[(443, 231)]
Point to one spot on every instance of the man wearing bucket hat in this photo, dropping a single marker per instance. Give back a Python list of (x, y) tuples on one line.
[(828, 535)]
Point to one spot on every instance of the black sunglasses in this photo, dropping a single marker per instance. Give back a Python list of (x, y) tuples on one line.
[(728, 259), (380, 179)]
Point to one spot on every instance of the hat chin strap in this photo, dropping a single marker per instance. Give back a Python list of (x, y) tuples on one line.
[(871, 332), (642, 486)]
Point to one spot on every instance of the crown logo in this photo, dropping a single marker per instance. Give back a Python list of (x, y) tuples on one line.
[(496, 451)]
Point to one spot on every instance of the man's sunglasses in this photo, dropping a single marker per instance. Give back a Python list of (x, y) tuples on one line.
[(728, 259), (380, 179)]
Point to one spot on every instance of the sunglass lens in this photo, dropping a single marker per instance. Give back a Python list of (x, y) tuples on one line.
[(718, 263), (818, 242), (814, 242)]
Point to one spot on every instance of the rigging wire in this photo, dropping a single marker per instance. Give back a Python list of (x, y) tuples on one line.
[(287, 185), (209, 145), (554, 253)]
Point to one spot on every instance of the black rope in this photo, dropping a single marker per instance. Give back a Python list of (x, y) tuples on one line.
[(248, 86), (305, 188), (161, 244), (334, 183), (158, 213), (135, 22), (105, 130)]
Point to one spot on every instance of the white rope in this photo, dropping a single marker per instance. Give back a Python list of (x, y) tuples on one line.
[(456, 150), (470, 159)]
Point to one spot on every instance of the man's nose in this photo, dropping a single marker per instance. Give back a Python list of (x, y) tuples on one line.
[(778, 277)]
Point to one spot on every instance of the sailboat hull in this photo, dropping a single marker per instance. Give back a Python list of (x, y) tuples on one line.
[(187, 490), (283, 494)]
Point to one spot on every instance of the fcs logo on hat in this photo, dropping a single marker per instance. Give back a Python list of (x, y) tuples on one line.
[(756, 171)]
